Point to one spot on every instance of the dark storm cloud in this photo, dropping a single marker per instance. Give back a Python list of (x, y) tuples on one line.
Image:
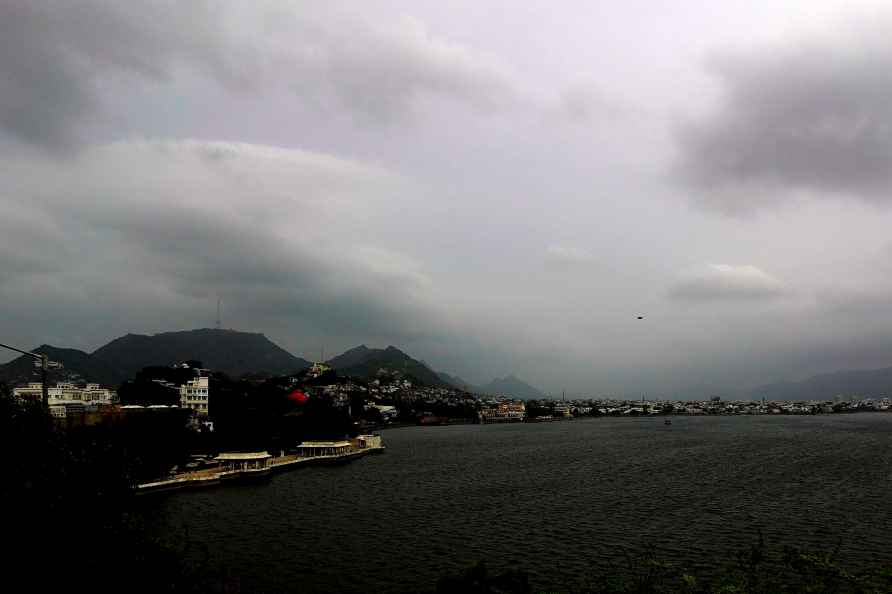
[(278, 234), (52, 54), (722, 282), (521, 243), (55, 58), (814, 118)]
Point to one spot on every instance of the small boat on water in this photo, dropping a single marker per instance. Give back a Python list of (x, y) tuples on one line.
[(667, 422)]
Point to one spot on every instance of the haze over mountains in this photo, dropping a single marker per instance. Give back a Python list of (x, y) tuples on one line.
[(236, 354), (859, 382), (511, 384)]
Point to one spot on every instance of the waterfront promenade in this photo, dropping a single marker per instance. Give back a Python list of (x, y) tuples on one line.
[(218, 476)]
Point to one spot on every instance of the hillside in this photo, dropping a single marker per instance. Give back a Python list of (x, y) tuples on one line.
[(365, 362), (511, 386), (354, 356), (77, 366), (861, 382), (232, 352)]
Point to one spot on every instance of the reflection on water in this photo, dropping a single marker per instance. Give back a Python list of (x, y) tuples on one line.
[(553, 498)]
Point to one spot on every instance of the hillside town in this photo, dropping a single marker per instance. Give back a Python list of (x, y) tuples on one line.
[(392, 398), (219, 428)]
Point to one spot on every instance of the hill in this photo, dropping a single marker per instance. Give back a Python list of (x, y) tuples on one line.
[(860, 382), (511, 386), (76, 366), (232, 352), (354, 356), (365, 362)]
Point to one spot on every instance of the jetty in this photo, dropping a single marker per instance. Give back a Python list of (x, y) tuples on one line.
[(240, 467)]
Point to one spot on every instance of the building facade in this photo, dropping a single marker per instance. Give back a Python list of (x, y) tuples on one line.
[(505, 411), (67, 392), (194, 393)]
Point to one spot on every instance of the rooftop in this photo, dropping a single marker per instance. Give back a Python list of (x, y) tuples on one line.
[(243, 456)]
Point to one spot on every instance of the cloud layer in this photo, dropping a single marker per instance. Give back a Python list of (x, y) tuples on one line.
[(57, 64), (568, 254), (54, 56), (275, 233), (724, 282), (808, 119), (483, 186)]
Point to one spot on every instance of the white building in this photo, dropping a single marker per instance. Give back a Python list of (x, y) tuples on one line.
[(67, 392), (505, 411), (194, 393)]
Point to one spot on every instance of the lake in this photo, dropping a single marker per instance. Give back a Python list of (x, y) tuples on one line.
[(555, 499)]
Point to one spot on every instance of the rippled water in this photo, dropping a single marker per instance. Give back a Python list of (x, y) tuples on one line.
[(553, 498)]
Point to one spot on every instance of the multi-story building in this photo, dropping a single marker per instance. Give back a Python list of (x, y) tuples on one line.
[(504, 411), (67, 392), (194, 393)]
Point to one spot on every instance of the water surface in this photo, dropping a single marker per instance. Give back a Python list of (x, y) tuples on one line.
[(556, 499)]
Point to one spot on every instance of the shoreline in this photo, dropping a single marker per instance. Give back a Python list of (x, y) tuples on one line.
[(206, 479)]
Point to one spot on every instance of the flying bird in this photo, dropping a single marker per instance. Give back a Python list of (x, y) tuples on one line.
[(640, 317)]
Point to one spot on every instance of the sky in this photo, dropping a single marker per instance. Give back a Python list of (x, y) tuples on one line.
[(495, 187)]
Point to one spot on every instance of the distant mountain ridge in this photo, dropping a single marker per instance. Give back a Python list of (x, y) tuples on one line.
[(457, 382), (511, 385), (364, 362), (232, 352), (76, 365), (236, 353), (856, 382)]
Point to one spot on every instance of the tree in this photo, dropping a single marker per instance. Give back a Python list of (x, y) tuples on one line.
[(67, 504)]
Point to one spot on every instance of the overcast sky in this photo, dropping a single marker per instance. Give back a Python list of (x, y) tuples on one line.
[(495, 187)]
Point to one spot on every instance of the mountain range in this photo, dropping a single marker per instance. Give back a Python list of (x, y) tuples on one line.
[(510, 385), (238, 353), (76, 364), (232, 352), (860, 382), (365, 362)]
